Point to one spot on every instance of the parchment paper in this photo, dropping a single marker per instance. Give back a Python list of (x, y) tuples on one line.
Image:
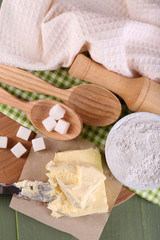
[(83, 228)]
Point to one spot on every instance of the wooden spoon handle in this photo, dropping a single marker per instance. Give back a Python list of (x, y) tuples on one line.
[(9, 99), (86, 69), (28, 82)]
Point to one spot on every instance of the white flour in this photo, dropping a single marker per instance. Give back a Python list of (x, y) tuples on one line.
[(133, 152)]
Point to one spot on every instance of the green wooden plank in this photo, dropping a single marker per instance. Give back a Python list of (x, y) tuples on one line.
[(34, 230), (7, 219), (150, 221), (136, 219)]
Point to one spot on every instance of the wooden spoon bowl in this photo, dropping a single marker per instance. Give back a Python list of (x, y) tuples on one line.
[(40, 110), (95, 105), (37, 111)]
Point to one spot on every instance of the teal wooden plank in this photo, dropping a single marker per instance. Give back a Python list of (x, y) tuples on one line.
[(135, 219), (150, 221), (34, 230), (7, 219)]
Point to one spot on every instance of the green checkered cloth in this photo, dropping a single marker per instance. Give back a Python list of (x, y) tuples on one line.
[(61, 79)]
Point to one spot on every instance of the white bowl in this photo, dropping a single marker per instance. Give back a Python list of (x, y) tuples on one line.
[(114, 128)]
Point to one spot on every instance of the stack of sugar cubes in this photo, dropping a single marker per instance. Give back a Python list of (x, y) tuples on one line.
[(55, 121), (18, 150)]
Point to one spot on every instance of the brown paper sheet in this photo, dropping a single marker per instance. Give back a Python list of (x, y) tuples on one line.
[(83, 228)]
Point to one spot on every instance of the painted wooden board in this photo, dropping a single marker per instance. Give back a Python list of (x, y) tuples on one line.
[(10, 166), (7, 219), (135, 219)]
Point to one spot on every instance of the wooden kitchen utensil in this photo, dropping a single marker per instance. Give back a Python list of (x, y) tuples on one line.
[(41, 191), (140, 94), (37, 111), (95, 105)]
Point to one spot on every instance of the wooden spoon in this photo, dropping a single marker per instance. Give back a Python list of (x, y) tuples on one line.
[(37, 111), (140, 94), (96, 105)]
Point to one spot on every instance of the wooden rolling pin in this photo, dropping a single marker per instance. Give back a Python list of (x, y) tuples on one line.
[(140, 94)]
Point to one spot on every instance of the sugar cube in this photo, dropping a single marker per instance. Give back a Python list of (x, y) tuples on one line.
[(18, 150), (57, 112), (3, 142), (62, 126), (38, 144), (49, 123), (24, 133)]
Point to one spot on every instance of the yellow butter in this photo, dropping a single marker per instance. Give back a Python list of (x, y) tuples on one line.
[(89, 179), (78, 177), (66, 172), (91, 156), (29, 188)]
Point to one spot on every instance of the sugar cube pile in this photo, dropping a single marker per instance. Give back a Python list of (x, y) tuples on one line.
[(38, 144), (3, 142), (56, 113), (24, 133), (53, 122), (18, 150)]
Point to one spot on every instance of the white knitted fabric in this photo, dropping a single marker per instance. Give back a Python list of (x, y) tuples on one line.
[(123, 35)]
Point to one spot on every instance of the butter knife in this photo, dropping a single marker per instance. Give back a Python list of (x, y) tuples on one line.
[(35, 190)]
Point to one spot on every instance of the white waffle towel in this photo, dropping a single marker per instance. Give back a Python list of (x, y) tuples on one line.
[(123, 35)]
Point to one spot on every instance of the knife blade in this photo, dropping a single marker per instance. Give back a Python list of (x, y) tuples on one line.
[(35, 190)]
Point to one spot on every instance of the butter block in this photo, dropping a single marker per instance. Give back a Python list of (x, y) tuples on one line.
[(90, 179), (79, 182), (97, 203), (91, 156), (68, 173)]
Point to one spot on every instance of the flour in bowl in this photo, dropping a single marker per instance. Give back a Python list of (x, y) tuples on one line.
[(133, 151)]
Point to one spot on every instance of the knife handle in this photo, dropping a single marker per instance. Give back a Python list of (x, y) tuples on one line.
[(9, 189)]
